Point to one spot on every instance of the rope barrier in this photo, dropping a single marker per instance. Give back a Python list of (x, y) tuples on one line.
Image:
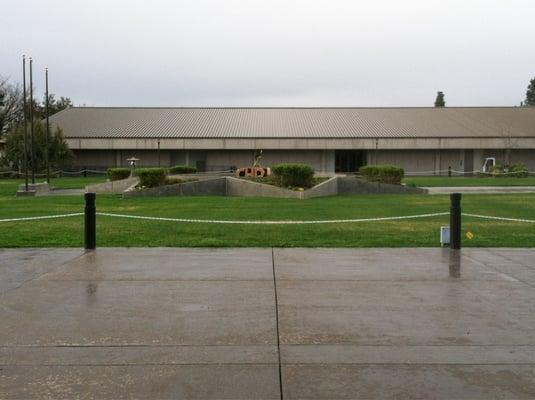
[(499, 218), (55, 172), (260, 222), (282, 222), (41, 217), (453, 171)]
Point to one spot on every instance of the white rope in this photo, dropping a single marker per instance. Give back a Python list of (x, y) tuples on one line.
[(55, 172), (499, 218), (41, 217), (215, 221), (453, 171)]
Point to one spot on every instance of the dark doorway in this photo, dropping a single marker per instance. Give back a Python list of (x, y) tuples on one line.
[(349, 160)]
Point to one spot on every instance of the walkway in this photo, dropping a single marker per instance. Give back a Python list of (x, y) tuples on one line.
[(480, 189), (246, 323)]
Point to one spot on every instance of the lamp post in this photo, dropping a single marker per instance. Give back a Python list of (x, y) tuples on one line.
[(24, 110)]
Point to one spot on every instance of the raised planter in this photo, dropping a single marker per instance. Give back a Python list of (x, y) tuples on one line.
[(230, 186)]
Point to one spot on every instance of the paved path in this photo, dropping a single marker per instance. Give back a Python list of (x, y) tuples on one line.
[(244, 323), (480, 189)]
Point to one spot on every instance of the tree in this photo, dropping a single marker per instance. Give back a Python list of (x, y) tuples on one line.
[(59, 154), (439, 101), (54, 105), (10, 105), (530, 94)]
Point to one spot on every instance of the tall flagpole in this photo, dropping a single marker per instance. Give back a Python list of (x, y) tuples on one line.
[(24, 111), (47, 129), (32, 142)]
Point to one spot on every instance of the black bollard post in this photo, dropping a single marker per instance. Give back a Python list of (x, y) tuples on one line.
[(90, 222), (455, 221), (449, 172)]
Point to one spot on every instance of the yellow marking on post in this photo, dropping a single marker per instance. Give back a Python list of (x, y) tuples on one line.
[(469, 235)]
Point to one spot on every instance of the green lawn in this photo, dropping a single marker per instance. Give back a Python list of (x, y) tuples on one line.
[(467, 181), (122, 232)]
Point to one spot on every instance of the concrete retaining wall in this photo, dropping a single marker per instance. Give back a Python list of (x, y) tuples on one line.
[(242, 187), (208, 187), (229, 186), (352, 185), (326, 188), (112, 186)]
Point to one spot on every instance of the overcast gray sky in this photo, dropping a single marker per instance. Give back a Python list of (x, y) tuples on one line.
[(274, 53)]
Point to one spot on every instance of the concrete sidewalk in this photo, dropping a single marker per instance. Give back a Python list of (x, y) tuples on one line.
[(480, 189), (246, 323)]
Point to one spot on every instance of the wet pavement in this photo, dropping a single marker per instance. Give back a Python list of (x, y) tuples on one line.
[(246, 323)]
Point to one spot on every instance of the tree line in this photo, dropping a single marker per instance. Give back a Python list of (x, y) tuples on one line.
[(12, 129)]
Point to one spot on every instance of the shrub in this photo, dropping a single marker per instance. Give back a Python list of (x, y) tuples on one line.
[(116, 174), (293, 175), (182, 169), (496, 170), (519, 170), (151, 177), (382, 173)]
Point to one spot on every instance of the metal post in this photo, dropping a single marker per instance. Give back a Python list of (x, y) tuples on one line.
[(32, 142), (47, 130), (90, 221), (449, 172), (455, 221), (24, 111)]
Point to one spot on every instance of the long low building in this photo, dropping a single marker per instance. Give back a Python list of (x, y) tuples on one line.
[(330, 139)]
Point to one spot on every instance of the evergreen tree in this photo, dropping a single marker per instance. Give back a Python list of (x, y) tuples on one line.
[(59, 154), (530, 94), (439, 101)]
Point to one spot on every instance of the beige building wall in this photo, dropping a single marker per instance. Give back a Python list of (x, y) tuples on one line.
[(431, 161)]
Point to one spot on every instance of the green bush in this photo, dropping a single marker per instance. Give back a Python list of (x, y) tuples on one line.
[(289, 175), (391, 174), (516, 170), (116, 174), (496, 170), (182, 169), (151, 177), (519, 170)]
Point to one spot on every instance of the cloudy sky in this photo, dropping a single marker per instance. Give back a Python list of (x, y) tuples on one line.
[(274, 53)]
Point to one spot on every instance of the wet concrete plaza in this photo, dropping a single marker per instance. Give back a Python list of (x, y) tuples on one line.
[(248, 323)]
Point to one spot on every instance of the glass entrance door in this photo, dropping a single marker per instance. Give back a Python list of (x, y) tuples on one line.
[(349, 160)]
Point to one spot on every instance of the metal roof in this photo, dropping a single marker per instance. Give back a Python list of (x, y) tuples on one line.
[(449, 122)]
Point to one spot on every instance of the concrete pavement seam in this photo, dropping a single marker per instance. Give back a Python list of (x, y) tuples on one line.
[(277, 322)]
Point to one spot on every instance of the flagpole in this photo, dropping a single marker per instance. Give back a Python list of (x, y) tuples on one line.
[(24, 110), (47, 130), (32, 142)]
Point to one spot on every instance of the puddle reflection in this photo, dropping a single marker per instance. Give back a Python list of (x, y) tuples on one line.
[(455, 263)]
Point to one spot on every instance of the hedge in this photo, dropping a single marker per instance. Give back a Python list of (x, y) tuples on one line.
[(116, 174), (391, 174), (516, 170), (519, 170), (293, 175), (151, 177), (182, 169)]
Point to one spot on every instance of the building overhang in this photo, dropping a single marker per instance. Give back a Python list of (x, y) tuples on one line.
[(301, 143)]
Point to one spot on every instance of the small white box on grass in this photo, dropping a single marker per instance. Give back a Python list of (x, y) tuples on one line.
[(444, 235)]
